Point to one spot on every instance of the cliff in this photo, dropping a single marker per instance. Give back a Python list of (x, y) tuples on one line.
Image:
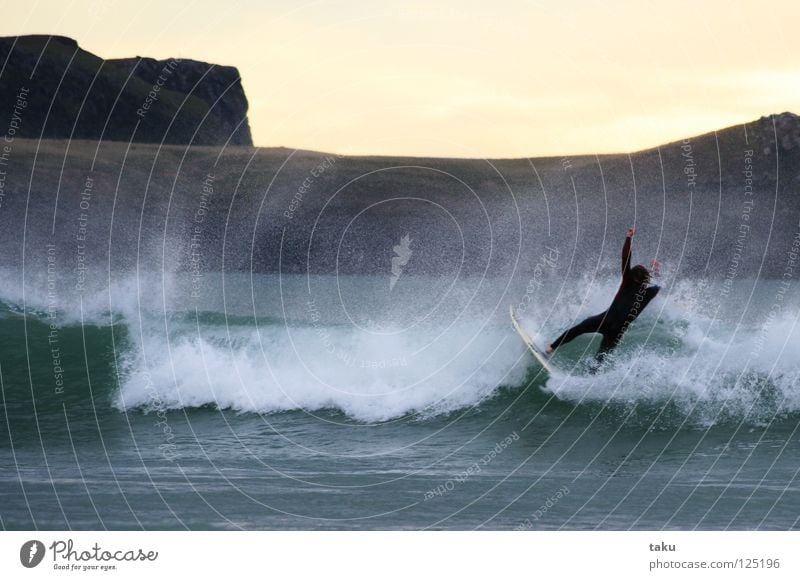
[(69, 93)]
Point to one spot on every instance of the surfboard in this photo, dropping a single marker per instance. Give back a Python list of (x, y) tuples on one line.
[(539, 354)]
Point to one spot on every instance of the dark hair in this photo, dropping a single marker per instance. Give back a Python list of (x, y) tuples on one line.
[(641, 275)]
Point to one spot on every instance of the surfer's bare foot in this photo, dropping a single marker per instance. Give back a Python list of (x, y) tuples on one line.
[(548, 350)]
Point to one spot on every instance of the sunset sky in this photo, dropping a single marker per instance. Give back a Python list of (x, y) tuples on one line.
[(463, 78)]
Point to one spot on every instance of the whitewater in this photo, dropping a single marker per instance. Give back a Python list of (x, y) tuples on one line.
[(272, 343)]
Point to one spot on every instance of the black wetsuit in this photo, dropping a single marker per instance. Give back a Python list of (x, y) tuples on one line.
[(631, 299)]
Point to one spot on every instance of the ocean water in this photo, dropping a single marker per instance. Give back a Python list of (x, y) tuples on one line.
[(236, 401)]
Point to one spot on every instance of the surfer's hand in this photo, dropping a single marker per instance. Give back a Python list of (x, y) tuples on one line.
[(630, 233), (656, 266)]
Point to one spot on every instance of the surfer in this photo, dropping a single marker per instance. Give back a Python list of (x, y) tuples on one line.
[(632, 297)]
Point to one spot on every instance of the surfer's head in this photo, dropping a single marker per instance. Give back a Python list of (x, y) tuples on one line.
[(641, 275)]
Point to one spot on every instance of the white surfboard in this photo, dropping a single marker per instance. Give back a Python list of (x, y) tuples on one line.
[(539, 354)]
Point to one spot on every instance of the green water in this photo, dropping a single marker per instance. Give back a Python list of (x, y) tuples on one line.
[(216, 419)]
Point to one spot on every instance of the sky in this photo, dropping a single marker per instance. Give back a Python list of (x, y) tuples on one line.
[(508, 78)]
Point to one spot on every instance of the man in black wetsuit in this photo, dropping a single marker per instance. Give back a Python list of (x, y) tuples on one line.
[(633, 295)]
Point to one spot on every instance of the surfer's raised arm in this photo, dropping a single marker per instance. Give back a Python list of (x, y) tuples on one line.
[(626, 251)]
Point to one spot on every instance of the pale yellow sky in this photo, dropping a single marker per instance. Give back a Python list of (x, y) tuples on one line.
[(464, 78)]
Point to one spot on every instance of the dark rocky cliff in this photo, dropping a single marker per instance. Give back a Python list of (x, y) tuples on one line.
[(68, 92)]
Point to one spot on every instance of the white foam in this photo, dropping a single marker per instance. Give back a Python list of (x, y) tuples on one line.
[(691, 348), (715, 369), (367, 377)]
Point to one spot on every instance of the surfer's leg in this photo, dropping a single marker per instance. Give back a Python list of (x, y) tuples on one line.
[(609, 343), (591, 324)]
